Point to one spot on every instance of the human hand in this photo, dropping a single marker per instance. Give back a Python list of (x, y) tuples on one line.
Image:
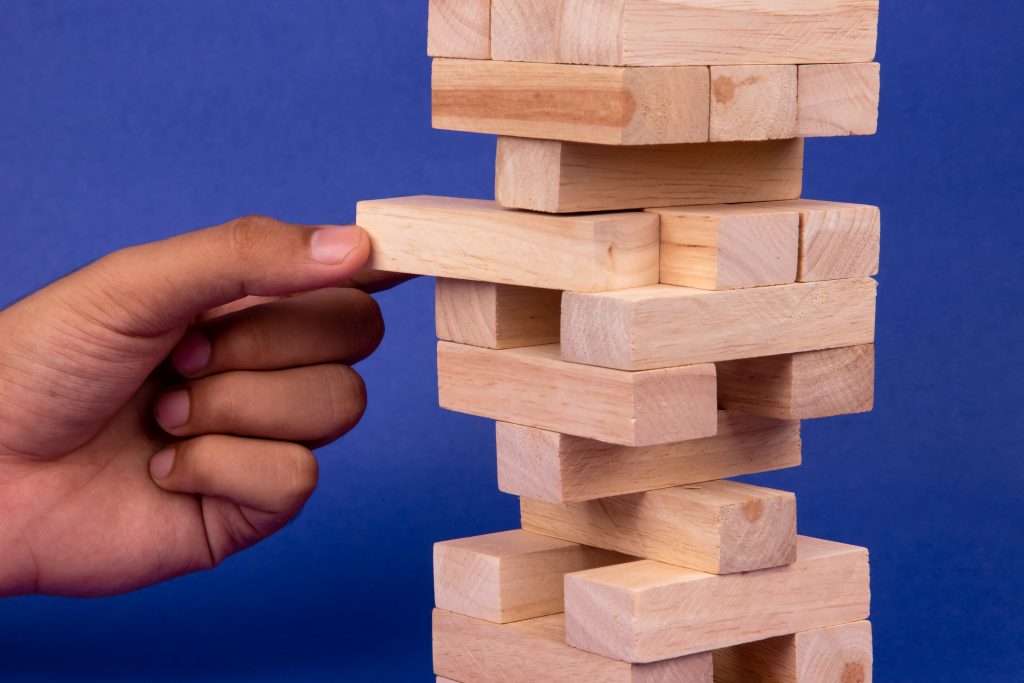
[(156, 417)]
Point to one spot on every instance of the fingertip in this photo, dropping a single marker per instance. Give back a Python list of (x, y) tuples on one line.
[(192, 355), (161, 464), (344, 247), (173, 409)]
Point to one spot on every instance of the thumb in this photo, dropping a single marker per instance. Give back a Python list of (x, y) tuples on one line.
[(73, 354)]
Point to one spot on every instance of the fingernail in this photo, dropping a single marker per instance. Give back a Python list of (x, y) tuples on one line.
[(162, 463), (192, 354), (172, 410), (331, 245)]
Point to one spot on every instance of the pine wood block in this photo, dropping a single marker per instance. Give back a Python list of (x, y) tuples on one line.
[(753, 102), (801, 386), (559, 468), (534, 387), (567, 177), (719, 527), (473, 239), (664, 326), (459, 28), (729, 246), (534, 651), (840, 654), (681, 32), (509, 576), (595, 104), (648, 611), (837, 240), (496, 316), (838, 99)]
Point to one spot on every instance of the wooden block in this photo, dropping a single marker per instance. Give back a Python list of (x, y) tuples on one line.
[(567, 177), (665, 326), (496, 316), (534, 651), (729, 246), (459, 28), (559, 468), (648, 611), (720, 527), (801, 386), (838, 99), (472, 239), (509, 576), (753, 102), (681, 32), (840, 654), (837, 240), (534, 387), (596, 104)]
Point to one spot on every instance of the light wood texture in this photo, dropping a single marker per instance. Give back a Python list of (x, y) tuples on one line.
[(459, 28), (496, 316), (472, 239), (596, 104), (838, 99), (801, 386), (753, 102), (534, 651), (720, 527), (509, 576), (840, 654), (680, 32), (837, 240), (559, 468), (665, 326), (648, 611), (729, 246), (566, 177), (534, 387)]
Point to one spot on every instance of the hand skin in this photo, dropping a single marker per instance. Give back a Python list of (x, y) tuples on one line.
[(157, 407)]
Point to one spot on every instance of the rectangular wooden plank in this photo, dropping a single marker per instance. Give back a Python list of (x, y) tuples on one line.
[(837, 240), (560, 468), (509, 576), (534, 651), (569, 177), (801, 386), (459, 28), (648, 611), (682, 32), (496, 316), (534, 387), (729, 246), (719, 527), (473, 239), (753, 102), (594, 104), (664, 326), (838, 99), (839, 654)]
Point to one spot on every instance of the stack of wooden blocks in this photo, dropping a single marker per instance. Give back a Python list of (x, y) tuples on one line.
[(647, 310)]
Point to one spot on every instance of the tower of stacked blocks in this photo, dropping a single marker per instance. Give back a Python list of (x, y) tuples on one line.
[(647, 310)]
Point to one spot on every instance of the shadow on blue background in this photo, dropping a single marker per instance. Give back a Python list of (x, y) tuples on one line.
[(125, 121)]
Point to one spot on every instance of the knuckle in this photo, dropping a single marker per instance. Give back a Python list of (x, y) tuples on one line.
[(249, 235)]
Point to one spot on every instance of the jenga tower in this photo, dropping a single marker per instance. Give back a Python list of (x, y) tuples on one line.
[(648, 309)]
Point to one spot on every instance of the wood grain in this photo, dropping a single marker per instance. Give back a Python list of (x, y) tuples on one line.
[(496, 316), (648, 611), (534, 387), (682, 32), (664, 326), (838, 99), (801, 386), (593, 104), (560, 468), (567, 177), (459, 28), (837, 240), (473, 239), (509, 576), (720, 527), (840, 654), (753, 102), (534, 651), (729, 246)]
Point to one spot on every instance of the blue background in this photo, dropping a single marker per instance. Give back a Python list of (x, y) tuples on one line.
[(126, 120)]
